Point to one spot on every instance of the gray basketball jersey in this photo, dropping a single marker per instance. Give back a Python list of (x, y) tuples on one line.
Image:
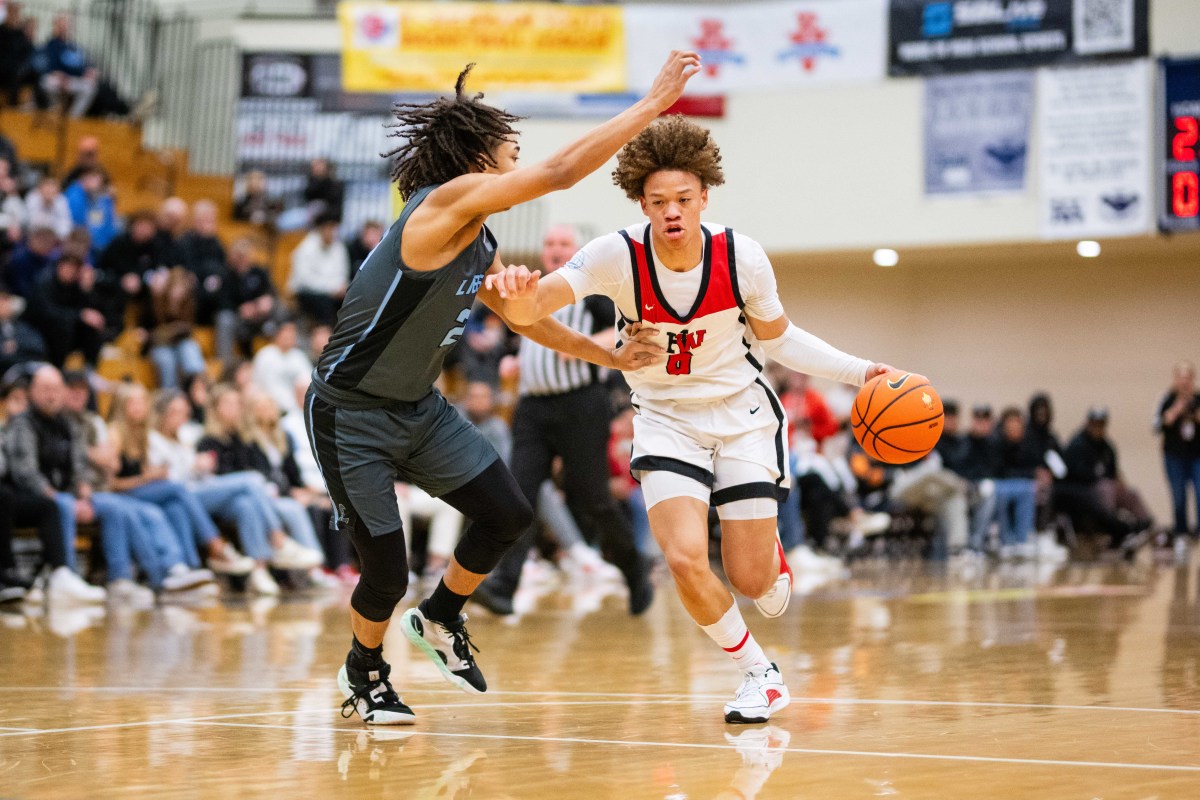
[(397, 325)]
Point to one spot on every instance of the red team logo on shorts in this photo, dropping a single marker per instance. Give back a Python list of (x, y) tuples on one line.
[(679, 351)]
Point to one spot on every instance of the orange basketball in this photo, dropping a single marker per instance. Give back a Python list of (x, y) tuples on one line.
[(897, 418)]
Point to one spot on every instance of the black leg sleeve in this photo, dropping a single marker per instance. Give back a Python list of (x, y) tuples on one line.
[(498, 512)]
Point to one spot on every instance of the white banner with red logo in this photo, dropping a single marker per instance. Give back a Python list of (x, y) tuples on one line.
[(760, 45)]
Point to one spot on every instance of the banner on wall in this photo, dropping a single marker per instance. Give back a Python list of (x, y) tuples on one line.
[(760, 45), (929, 37), (1094, 133), (977, 132), (418, 47)]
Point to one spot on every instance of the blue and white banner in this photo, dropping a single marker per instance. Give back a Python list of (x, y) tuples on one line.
[(1094, 135), (977, 132), (760, 45)]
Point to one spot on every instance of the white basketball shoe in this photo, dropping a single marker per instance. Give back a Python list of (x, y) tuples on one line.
[(761, 694)]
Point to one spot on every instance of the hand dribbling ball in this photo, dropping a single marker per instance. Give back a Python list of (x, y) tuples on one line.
[(897, 418)]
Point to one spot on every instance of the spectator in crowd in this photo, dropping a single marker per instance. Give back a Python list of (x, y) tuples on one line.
[(64, 69), (1045, 443), (204, 256), (361, 245), (138, 477), (1177, 421), (279, 365), (953, 445), (801, 401), (87, 156), (237, 498), (14, 390), (1015, 464), (323, 192), (13, 215), (625, 490), (19, 341), (16, 57), (172, 226), (92, 208), (256, 205), (173, 349), (486, 340), (66, 309), (320, 266), (228, 437), (126, 264), (1091, 460), (926, 485), (31, 261), (248, 306), (47, 457), (273, 455), (27, 510), (47, 207), (8, 151)]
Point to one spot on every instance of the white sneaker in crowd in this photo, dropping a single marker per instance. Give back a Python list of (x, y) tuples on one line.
[(181, 578), (1049, 550), (761, 694), (324, 580), (293, 555), (261, 582), (231, 562), (123, 590), (65, 586)]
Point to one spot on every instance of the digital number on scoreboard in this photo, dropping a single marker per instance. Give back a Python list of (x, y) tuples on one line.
[(1180, 139)]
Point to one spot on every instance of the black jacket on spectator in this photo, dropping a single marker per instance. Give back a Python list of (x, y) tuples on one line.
[(358, 253), (328, 191), (19, 342), (978, 460), (1174, 443), (955, 450), (45, 453), (8, 150), (54, 309), (1089, 459), (233, 453), (1014, 459), (204, 256), (123, 256), (286, 476), (25, 268), (247, 286)]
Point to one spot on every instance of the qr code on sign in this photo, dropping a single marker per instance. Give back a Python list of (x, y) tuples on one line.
[(1103, 26)]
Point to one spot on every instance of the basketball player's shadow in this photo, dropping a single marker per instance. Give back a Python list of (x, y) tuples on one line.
[(761, 749)]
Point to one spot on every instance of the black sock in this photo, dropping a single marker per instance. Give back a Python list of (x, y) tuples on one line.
[(443, 605), (364, 658)]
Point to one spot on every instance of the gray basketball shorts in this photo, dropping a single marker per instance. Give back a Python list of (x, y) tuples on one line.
[(362, 453)]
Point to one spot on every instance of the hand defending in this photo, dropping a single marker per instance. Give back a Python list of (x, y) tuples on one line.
[(514, 282), (673, 77), (639, 349)]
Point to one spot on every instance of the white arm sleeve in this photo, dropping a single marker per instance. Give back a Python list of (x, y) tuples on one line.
[(800, 351)]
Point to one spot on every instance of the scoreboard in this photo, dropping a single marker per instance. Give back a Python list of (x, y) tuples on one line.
[(1179, 140)]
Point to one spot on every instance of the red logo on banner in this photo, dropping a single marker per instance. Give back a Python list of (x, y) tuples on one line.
[(808, 32), (712, 39), (373, 27)]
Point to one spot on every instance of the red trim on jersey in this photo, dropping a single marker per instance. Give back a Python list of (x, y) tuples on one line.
[(718, 288)]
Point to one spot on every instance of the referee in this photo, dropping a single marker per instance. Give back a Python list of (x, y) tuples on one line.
[(564, 411)]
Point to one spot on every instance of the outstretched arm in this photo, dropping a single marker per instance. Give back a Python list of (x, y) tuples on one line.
[(799, 350), (477, 194), (638, 352)]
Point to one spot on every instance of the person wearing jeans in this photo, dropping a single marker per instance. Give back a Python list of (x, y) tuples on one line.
[(1177, 419), (1015, 462)]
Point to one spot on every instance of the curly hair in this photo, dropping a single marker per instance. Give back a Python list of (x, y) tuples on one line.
[(671, 143), (446, 138)]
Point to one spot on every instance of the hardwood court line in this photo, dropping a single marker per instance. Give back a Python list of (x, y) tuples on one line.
[(700, 745), (660, 696)]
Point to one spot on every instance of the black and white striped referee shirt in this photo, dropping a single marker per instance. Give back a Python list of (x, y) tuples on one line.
[(545, 372)]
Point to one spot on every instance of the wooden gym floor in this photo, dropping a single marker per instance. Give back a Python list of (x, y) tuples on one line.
[(907, 682)]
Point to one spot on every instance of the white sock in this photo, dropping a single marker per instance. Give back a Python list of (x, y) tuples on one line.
[(731, 633)]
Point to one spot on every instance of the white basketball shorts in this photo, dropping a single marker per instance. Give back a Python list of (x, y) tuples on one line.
[(730, 452)]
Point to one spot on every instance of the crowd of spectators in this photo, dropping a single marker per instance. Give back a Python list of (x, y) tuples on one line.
[(205, 469)]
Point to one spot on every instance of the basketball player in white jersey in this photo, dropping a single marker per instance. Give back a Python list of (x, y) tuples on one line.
[(708, 428)]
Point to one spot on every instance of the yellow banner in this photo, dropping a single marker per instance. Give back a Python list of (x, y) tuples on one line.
[(421, 47)]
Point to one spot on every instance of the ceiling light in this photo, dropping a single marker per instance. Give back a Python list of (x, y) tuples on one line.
[(886, 258)]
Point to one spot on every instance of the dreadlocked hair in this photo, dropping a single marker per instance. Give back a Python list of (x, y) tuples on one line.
[(445, 138), (674, 143)]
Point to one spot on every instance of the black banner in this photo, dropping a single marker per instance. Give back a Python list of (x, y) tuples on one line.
[(932, 37)]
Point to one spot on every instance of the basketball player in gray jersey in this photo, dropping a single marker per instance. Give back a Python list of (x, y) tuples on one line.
[(372, 413)]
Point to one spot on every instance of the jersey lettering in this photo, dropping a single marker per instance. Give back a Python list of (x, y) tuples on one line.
[(680, 363), (454, 334), (473, 285)]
